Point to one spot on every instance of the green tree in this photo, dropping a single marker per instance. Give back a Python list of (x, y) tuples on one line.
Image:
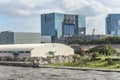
[(95, 55), (109, 61), (108, 40), (75, 57), (104, 50), (82, 53)]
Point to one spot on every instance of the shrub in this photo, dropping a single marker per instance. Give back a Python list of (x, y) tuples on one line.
[(97, 59), (95, 55), (117, 66), (109, 61), (115, 59)]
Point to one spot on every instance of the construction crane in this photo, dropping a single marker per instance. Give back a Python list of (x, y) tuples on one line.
[(93, 32)]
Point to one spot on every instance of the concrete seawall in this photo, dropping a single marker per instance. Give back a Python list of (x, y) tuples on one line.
[(11, 63), (81, 68), (28, 64)]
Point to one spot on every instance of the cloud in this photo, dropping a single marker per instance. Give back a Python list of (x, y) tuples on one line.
[(28, 3), (90, 8), (23, 12), (110, 3), (94, 10), (24, 7), (4, 1)]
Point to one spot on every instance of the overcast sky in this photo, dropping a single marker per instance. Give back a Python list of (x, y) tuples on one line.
[(24, 15)]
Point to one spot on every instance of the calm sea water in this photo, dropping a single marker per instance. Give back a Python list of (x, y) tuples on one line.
[(29, 73)]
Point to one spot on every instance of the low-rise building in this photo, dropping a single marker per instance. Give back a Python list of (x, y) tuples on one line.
[(8, 37), (41, 51), (46, 39)]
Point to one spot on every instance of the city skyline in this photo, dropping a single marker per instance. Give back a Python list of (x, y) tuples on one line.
[(24, 15)]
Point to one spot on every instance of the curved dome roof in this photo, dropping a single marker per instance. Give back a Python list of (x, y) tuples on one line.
[(55, 49), (20, 47)]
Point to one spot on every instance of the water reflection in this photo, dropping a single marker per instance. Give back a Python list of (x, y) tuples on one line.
[(28, 73)]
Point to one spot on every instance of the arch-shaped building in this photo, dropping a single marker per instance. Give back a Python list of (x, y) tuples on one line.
[(34, 50)]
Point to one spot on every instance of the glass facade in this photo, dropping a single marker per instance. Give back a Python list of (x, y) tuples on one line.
[(58, 25), (69, 29), (113, 24)]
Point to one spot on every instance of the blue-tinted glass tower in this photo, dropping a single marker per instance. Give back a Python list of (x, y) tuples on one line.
[(113, 24), (59, 25)]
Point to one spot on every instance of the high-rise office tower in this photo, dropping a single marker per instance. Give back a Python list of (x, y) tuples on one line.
[(113, 24), (59, 25)]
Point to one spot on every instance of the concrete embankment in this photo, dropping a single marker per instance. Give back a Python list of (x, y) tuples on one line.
[(28, 64), (81, 68), (11, 63)]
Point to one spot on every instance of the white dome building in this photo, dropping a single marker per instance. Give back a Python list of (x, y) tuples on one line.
[(21, 51), (55, 49)]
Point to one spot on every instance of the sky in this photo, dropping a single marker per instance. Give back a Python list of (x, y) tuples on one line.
[(24, 15)]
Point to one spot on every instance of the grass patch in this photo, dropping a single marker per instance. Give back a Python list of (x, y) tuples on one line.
[(91, 63)]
